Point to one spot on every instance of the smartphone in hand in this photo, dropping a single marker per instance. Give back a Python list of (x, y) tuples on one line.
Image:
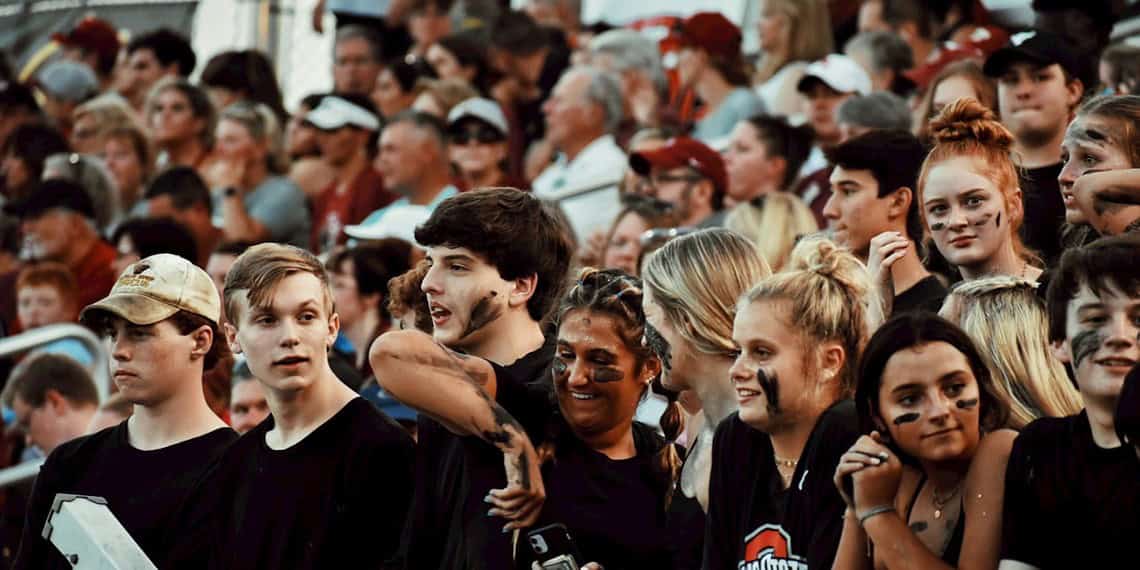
[(553, 548)]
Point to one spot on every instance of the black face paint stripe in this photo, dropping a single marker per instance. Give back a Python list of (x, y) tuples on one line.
[(997, 222), (966, 404), (659, 346), (906, 418), (771, 386), (481, 315), (938, 226), (1134, 227), (607, 374), (985, 220), (1084, 344), (558, 367)]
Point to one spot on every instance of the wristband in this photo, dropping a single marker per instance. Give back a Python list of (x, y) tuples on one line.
[(873, 511)]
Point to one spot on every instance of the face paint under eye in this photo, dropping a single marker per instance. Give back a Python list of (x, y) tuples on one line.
[(657, 343), (938, 226), (1134, 227), (906, 418), (1084, 344), (771, 386), (558, 368), (985, 219), (482, 314), (966, 404), (997, 222), (604, 374)]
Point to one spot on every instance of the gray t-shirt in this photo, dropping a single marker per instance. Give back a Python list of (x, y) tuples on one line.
[(740, 104), (280, 206)]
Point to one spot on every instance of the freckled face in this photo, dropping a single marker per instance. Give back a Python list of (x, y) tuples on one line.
[(928, 402), (965, 212), (597, 378)]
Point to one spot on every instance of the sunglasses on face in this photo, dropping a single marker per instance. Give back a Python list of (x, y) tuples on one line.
[(481, 135)]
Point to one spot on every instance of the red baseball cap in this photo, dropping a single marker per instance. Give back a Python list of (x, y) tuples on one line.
[(712, 32), (683, 151), (93, 34), (925, 73)]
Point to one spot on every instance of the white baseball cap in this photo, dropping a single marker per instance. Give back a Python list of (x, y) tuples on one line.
[(480, 108), (335, 112), (398, 222), (154, 289), (838, 72)]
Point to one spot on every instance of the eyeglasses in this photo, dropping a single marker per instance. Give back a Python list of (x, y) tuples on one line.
[(481, 135)]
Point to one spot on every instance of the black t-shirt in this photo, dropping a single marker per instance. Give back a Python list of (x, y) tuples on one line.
[(685, 529), (1044, 212), (336, 499), (144, 489), (449, 527), (613, 509), (1068, 502), (926, 295), (752, 522)]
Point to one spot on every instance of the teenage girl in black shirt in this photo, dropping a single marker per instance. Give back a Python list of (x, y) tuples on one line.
[(928, 478), (771, 501)]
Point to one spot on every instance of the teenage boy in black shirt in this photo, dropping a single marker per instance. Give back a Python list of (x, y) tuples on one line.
[(499, 260), (1071, 493), (873, 211), (325, 481), (161, 317), (1040, 82)]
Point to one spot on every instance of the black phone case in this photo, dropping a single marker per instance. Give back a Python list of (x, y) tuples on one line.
[(552, 541)]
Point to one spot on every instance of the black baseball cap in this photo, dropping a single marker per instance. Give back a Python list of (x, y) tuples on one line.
[(51, 194), (1039, 47)]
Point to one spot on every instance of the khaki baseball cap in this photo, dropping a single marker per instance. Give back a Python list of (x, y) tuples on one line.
[(154, 289)]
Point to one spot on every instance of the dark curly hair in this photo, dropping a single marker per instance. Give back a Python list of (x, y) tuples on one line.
[(615, 293)]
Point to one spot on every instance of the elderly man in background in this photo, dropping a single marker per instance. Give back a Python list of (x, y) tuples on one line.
[(582, 114)]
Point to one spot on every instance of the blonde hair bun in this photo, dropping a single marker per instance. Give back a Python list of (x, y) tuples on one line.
[(967, 119), (818, 254)]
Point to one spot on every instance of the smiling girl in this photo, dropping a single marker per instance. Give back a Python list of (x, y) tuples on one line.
[(928, 478), (797, 335), (969, 196)]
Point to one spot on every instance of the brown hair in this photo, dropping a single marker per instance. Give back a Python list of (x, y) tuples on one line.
[(258, 271), (138, 141), (966, 128), (404, 294), (1124, 111), (50, 274), (968, 69), (41, 372)]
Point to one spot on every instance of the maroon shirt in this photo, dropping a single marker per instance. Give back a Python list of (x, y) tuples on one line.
[(333, 210)]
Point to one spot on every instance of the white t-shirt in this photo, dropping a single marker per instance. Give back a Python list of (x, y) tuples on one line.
[(601, 163)]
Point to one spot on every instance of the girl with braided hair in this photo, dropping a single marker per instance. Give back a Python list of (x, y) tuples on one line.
[(608, 478)]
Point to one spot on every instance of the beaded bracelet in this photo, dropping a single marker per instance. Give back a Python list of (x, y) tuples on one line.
[(875, 511)]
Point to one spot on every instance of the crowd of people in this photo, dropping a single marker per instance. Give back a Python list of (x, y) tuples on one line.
[(521, 292)]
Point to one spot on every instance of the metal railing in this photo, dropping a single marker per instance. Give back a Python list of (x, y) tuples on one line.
[(35, 338)]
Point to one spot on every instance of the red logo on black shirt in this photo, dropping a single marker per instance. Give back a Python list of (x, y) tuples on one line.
[(770, 548)]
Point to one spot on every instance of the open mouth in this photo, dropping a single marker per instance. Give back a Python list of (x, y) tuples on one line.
[(745, 394), (439, 314), (290, 361), (1116, 362)]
